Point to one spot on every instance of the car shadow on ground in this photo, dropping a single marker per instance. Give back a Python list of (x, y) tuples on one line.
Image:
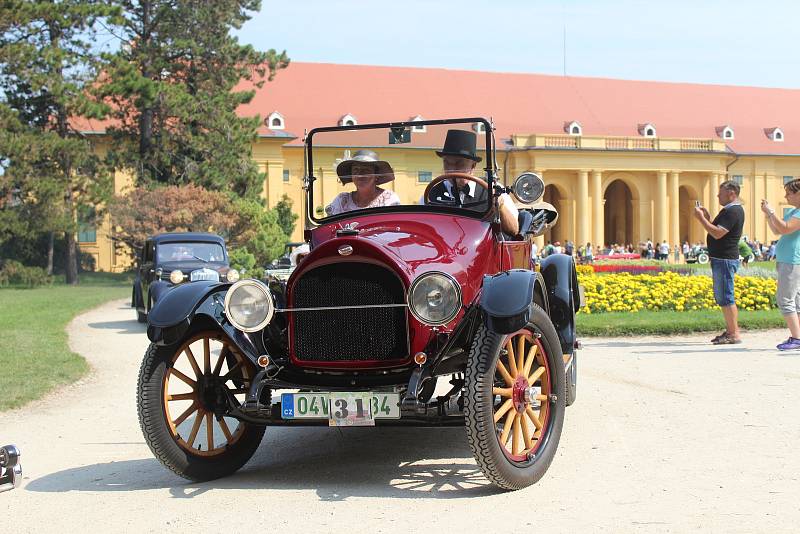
[(337, 464), (130, 326), (673, 346)]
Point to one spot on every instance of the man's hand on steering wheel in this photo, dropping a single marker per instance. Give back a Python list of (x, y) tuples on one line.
[(452, 176)]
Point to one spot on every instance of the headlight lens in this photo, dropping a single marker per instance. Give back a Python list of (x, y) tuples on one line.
[(248, 305), (176, 276), (434, 298), (232, 276), (528, 187)]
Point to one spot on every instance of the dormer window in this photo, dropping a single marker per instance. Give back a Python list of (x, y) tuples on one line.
[(573, 128), (348, 120), (776, 134), (275, 121), (479, 128), (725, 132), (647, 130), (421, 128)]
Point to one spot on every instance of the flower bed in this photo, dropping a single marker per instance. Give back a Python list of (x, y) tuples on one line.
[(622, 292)]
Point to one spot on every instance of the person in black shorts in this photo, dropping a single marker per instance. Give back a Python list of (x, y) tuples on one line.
[(724, 233)]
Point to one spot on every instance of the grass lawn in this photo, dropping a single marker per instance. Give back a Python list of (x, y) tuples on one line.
[(34, 357), (671, 322)]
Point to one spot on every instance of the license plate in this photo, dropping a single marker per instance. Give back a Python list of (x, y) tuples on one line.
[(341, 408)]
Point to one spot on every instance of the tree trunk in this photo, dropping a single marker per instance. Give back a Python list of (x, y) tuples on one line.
[(50, 245), (71, 267)]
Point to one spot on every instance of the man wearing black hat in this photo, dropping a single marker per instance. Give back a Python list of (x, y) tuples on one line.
[(459, 156)]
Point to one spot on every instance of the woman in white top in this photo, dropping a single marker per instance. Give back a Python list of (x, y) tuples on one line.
[(366, 172)]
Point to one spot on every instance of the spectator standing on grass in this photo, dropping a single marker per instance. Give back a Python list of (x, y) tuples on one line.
[(772, 248), (724, 233), (589, 253), (787, 254), (677, 253), (534, 249), (569, 248), (685, 250), (663, 251)]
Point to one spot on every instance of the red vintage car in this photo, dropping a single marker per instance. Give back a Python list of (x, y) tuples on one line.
[(425, 311)]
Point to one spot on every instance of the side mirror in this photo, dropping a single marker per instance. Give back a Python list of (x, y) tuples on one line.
[(528, 188)]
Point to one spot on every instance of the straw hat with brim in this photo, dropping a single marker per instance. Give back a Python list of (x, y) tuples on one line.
[(383, 171)]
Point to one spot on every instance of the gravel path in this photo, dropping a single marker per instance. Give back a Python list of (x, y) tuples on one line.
[(667, 435)]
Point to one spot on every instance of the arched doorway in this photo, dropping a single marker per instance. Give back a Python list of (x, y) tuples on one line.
[(688, 229), (618, 214), (553, 196)]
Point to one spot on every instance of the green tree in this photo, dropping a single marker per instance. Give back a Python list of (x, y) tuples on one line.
[(175, 85), (244, 223), (286, 217), (47, 64)]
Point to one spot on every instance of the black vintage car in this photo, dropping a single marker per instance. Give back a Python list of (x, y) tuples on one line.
[(167, 260)]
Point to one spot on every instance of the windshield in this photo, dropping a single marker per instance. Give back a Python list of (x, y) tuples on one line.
[(409, 167), (205, 252)]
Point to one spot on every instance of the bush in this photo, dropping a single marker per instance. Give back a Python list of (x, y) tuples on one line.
[(13, 273), (241, 259)]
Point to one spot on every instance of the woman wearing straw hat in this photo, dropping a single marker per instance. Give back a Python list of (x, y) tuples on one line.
[(366, 172)]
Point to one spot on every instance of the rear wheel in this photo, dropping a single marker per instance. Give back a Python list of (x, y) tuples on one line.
[(182, 406), (702, 258), (514, 403)]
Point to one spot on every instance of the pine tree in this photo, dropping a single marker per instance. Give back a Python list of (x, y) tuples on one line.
[(173, 86), (46, 66)]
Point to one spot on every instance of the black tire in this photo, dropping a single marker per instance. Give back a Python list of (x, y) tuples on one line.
[(572, 381), (479, 406), (166, 446), (141, 316)]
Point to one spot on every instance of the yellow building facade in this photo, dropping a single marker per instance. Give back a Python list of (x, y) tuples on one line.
[(604, 196), (612, 176)]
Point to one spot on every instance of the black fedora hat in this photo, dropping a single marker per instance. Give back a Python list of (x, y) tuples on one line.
[(459, 143)]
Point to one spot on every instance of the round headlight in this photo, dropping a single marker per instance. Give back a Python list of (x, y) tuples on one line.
[(434, 298), (176, 276), (248, 305), (528, 187), (232, 276)]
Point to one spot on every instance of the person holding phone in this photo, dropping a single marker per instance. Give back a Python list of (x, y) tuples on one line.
[(724, 233), (787, 254)]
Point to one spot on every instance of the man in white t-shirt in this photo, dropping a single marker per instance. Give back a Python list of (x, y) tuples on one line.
[(663, 250)]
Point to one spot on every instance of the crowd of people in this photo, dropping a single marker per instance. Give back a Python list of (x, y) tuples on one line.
[(749, 250)]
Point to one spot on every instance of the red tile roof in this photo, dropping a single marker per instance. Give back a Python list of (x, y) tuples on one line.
[(318, 94), (309, 95)]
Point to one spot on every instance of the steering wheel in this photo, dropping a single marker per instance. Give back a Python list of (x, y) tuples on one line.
[(452, 175)]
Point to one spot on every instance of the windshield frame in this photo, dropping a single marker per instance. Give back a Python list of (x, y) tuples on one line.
[(309, 178)]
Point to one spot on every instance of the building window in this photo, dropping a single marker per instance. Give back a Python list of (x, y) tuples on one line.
[(738, 178), (348, 120), (424, 176), (778, 136), (418, 129), (725, 132), (87, 229), (286, 175), (573, 128), (275, 121), (647, 130)]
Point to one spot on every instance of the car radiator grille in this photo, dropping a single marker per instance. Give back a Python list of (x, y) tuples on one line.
[(349, 335)]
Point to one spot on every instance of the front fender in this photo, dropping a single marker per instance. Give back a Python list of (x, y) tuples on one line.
[(506, 299), (187, 304), (561, 280)]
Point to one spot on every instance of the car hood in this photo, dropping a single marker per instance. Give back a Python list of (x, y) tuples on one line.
[(459, 246)]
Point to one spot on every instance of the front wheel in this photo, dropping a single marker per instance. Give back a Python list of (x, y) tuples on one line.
[(182, 406), (514, 403)]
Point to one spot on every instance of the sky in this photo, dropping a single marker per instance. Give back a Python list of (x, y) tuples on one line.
[(732, 42)]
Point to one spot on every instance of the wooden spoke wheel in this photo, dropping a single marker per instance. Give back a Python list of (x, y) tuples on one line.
[(522, 395), (203, 373), (184, 396), (514, 401)]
